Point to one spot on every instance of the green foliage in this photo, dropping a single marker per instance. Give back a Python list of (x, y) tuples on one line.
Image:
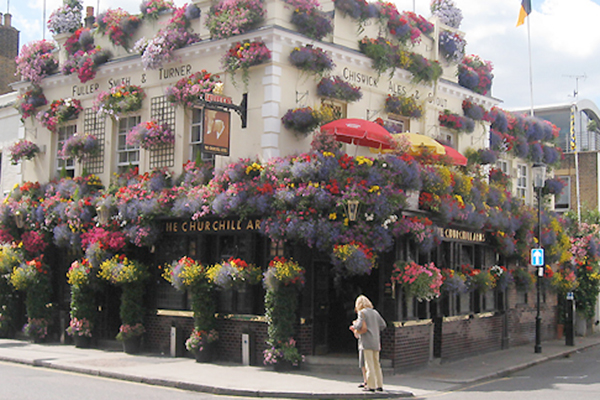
[(203, 305), (132, 303), (586, 294), (280, 310)]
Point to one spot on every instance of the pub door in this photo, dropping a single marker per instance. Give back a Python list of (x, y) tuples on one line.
[(334, 308)]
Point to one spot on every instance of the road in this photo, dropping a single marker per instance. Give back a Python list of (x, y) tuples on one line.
[(21, 382), (575, 377)]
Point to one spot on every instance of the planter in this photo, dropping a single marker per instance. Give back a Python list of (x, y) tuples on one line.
[(132, 345), (82, 342), (285, 366), (245, 299), (206, 355)]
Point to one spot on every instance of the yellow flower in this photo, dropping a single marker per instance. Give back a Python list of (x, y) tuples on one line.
[(328, 154), (364, 160), (333, 216), (374, 189)]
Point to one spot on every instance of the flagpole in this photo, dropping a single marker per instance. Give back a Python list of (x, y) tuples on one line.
[(530, 67)]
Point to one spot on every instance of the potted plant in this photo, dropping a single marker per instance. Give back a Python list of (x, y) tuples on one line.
[(200, 343), (188, 274), (453, 282), (150, 134), (83, 308), (36, 61), (121, 99), (32, 278), (118, 25), (151, 9), (283, 356), (159, 50), (452, 46), (311, 22), (66, 19), (403, 105), (282, 279), (475, 74), (22, 150), (336, 88), (130, 276), (228, 18)]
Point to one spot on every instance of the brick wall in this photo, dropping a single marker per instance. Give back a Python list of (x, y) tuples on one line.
[(521, 317), (474, 335), (410, 346), (9, 47)]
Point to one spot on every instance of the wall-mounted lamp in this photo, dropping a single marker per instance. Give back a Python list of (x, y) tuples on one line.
[(103, 214), (19, 219), (352, 209)]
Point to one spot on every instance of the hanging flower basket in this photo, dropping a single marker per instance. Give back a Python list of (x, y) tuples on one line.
[(150, 134), (353, 259), (456, 122), (422, 282), (311, 59), (60, 112), (243, 55), (152, 9), (233, 273), (453, 282), (452, 46), (447, 12), (85, 63), (311, 22), (301, 120), (80, 147), (66, 19), (187, 91), (185, 273), (22, 150), (120, 270), (403, 105), (118, 25), (337, 88), (283, 272), (475, 74), (120, 100), (28, 102), (159, 50)]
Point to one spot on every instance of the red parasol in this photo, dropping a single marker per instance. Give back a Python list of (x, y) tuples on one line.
[(454, 156), (360, 132)]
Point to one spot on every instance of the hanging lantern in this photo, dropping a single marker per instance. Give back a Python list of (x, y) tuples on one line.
[(103, 214), (19, 219)]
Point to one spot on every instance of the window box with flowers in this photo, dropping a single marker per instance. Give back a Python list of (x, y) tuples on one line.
[(234, 279), (403, 105), (80, 147), (381, 52), (130, 276), (336, 88), (60, 111), (28, 102), (473, 111), (234, 17), (159, 50), (22, 150), (456, 122), (188, 274), (422, 282), (187, 91), (150, 134), (301, 120), (85, 63), (422, 69), (36, 61), (400, 25), (243, 55), (152, 9), (311, 59), (475, 74), (121, 99), (282, 280)]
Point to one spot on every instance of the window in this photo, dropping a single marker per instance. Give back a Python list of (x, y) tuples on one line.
[(332, 110), (196, 139), (522, 181), (95, 124), (502, 165), (127, 156), (164, 113), (397, 124), (67, 165), (562, 200)]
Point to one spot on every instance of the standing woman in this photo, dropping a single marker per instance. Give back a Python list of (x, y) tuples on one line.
[(369, 325)]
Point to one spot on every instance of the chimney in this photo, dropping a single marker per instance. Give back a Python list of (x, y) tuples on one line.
[(89, 17), (7, 19)]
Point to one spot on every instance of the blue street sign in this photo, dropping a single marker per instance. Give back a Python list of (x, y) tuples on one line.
[(537, 257)]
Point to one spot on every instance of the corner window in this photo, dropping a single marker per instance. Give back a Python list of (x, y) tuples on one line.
[(65, 164), (522, 181), (127, 156)]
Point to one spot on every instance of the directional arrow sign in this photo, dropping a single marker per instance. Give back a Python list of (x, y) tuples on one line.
[(537, 257)]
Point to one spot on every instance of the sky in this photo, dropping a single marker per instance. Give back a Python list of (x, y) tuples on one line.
[(565, 48)]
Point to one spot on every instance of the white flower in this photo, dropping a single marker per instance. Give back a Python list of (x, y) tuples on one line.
[(64, 20)]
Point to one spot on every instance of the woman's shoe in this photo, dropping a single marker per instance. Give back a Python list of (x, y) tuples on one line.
[(366, 389), (379, 389), (362, 385)]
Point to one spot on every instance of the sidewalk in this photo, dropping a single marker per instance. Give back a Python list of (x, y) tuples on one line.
[(237, 380)]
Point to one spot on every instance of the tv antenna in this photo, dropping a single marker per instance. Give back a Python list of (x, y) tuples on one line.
[(577, 78)]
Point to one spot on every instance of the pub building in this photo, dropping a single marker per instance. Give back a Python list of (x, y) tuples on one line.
[(250, 112)]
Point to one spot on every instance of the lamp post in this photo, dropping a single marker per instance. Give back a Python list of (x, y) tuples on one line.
[(539, 178)]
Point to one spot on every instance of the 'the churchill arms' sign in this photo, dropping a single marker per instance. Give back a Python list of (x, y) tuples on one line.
[(212, 226)]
